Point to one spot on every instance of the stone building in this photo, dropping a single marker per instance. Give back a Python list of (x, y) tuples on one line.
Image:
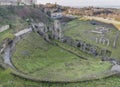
[(57, 32), (56, 15), (54, 31), (42, 29), (39, 27)]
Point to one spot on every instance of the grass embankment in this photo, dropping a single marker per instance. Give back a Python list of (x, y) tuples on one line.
[(9, 80), (37, 58), (76, 51), (81, 30)]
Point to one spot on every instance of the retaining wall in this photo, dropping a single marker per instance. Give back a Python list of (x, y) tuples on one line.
[(3, 28)]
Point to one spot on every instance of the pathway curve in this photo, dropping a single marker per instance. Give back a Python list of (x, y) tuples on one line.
[(7, 57), (7, 51)]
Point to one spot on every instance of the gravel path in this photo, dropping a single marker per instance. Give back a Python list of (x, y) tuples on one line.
[(7, 57), (7, 51)]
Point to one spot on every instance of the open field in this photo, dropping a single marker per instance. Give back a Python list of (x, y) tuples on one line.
[(82, 30), (109, 21), (36, 57)]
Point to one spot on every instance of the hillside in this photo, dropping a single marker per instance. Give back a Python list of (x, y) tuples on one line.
[(63, 56), (17, 16)]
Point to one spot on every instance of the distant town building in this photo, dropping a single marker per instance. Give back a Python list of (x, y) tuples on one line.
[(56, 15), (8, 2), (16, 2), (28, 2)]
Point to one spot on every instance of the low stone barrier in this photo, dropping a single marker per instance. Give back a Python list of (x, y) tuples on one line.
[(3, 28), (98, 76)]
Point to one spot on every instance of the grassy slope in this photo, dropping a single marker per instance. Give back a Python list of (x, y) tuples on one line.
[(47, 61), (81, 30), (8, 16)]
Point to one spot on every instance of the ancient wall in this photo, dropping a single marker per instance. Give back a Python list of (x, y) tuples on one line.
[(3, 28), (86, 47), (57, 32)]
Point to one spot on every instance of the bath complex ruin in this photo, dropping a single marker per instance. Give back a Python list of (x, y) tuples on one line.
[(56, 32)]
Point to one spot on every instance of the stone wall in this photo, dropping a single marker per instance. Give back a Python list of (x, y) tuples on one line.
[(3, 28), (86, 47), (57, 31), (53, 31)]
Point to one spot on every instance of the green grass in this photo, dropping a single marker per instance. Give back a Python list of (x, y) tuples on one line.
[(9, 80), (75, 50), (81, 30), (5, 35), (36, 57)]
